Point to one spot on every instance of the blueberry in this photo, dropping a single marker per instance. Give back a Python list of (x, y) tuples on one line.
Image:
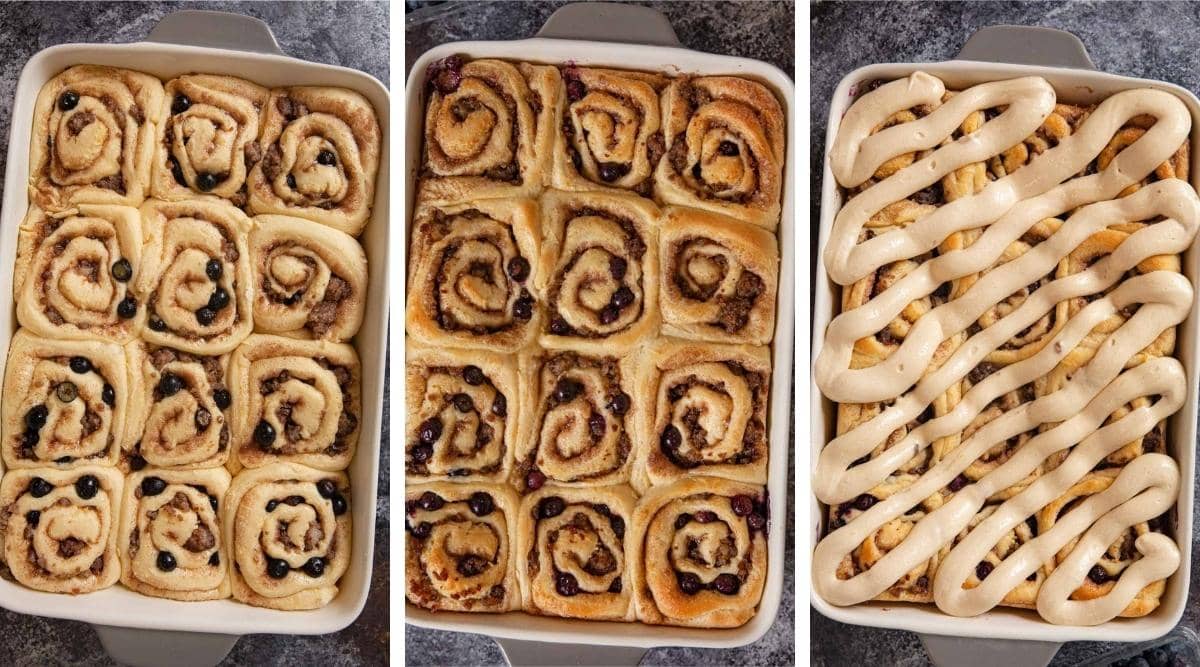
[(136, 463), (534, 480), (682, 520), (165, 561), (727, 584), (705, 516), (205, 316), (500, 406), (37, 415), (80, 365), (314, 567), (202, 419), (864, 502), (617, 266), (68, 100), (619, 404), (518, 268), (291, 181), (326, 488), (127, 308), (481, 503), (32, 517), (622, 297), (152, 486), (566, 584), (742, 505), (421, 453), (422, 530), (271, 505), (326, 158), (122, 270), (338, 502), (610, 172), (180, 104), (596, 425), (264, 434), (39, 487), (66, 391), (222, 398), (473, 375), (430, 501), (551, 507), (609, 314), (219, 299), (756, 521), (463, 403), (689, 582), (157, 324), (213, 269), (566, 390), (169, 384), (983, 569), (671, 438), (1098, 575), (559, 327), (276, 568), (957, 483), (215, 559), (575, 90), (177, 172), (206, 182), (523, 308), (430, 430), (87, 486), (108, 395), (727, 148)]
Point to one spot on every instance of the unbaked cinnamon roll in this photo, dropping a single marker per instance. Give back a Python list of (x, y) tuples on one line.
[(462, 414), (68, 403), (578, 415), (461, 547), (609, 133), (320, 155), (599, 272), (310, 281), (183, 411), (704, 412), (195, 275), (93, 137), (725, 147), (572, 556), (288, 529), (171, 544), (207, 137), (489, 129), (718, 278), (699, 553), (75, 270), (58, 528), (294, 401), (472, 273)]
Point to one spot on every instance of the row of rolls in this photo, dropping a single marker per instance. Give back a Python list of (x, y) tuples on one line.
[(917, 584)]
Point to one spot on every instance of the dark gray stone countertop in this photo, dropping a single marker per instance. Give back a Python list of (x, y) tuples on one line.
[(322, 32), (760, 30), (1147, 40)]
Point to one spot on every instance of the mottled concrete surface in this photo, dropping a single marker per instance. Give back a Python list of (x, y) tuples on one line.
[(1149, 40), (321, 32), (765, 31)]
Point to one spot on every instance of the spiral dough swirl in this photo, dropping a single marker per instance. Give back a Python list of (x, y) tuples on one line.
[(187, 406)]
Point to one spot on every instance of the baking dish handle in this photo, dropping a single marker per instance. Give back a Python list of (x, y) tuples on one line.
[(219, 30), (521, 653), (150, 648), (610, 22), (1026, 45), (987, 652)]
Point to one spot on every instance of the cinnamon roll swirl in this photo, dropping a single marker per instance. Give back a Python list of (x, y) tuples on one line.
[(460, 547), (462, 414), (207, 137), (170, 540), (472, 274), (577, 420), (195, 275), (183, 411), (699, 553), (489, 129), (572, 556), (288, 529), (609, 134), (311, 280), (600, 271), (725, 146), (718, 278), (320, 155), (705, 412), (75, 270), (294, 401), (58, 528), (68, 403)]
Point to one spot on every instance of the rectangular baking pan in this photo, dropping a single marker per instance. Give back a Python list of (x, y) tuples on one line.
[(622, 22), (1076, 82), (215, 43)]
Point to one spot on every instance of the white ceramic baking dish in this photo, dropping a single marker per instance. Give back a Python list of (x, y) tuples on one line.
[(1075, 81), (559, 42), (214, 43)]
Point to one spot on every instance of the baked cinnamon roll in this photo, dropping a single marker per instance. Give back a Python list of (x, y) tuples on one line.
[(472, 274), (195, 275), (461, 547), (609, 133), (462, 414), (75, 272), (294, 401), (288, 530), (572, 556), (320, 155), (699, 553), (725, 146), (718, 278), (58, 528), (1024, 595), (578, 415), (93, 138), (599, 272), (207, 137), (183, 411), (489, 129), (310, 281), (704, 411), (68, 403), (171, 544)]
